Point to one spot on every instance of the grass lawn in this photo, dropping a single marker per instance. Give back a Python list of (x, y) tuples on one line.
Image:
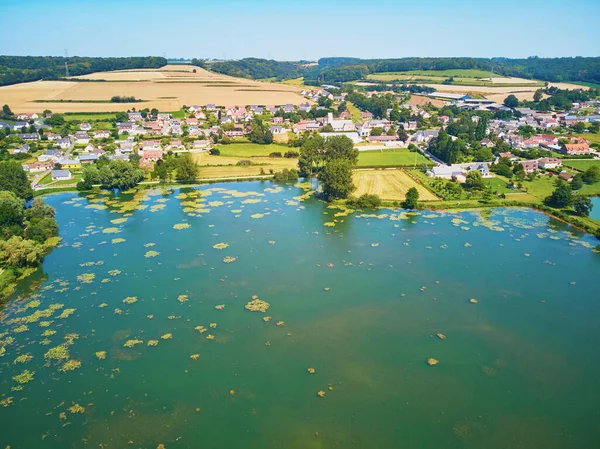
[(400, 157), (90, 116), (498, 185), (354, 111), (177, 114), (250, 149), (582, 164)]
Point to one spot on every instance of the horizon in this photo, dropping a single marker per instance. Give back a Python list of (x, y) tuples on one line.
[(237, 29)]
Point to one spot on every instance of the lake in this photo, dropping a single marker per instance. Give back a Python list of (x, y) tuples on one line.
[(147, 298)]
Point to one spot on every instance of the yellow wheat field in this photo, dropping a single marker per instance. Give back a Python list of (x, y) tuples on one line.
[(388, 184), (167, 89)]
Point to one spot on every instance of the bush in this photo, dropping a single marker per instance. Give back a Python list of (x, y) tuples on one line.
[(215, 152), (366, 201), (291, 154), (244, 163), (275, 154), (286, 175)]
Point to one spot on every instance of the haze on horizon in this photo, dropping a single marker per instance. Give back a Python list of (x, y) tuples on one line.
[(296, 30)]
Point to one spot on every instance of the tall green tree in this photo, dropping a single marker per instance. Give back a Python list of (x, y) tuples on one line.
[(311, 155), (474, 180), (187, 168), (412, 199), (511, 101), (562, 195), (14, 179), (582, 205), (340, 147), (336, 179)]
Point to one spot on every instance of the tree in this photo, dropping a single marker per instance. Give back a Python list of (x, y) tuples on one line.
[(511, 101), (562, 195), (187, 168), (21, 253), (484, 154), (503, 167), (582, 205), (336, 179), (11, 214), (577, 182), (412, 198), (377, 131), (537, 96), (56, 120), (14, 179), (340, 147), (122, 117), (519, 172), (154, 112), (474, 180), (6, 112), (311, 155), (481, 128), (402, 135), (591, 175)]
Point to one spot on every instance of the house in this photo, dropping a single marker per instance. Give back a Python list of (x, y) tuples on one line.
[(152, 155), (61, 175), (487, 143), (233, 134), (69, 163), (88, 158), (85, 126), (304, 107), (565, 176), (508, 156), (366, 115), (52, 136), (211, 107), (22, 149), (102, 134), (27, 116), (576, 149), (549, 162), (340, 125), (35, 167), (384, 139), (126, 147), (425, 136), (82, 138), (277, 120), (482, 167), (135, 117), (150, 145), (29, 136), (276, 130), (446, 172), (18, 125), (444, 119), (53, 153), (411, 125), (200, 144), (163, 117), (353, 136), (63, 143), (529, 166)]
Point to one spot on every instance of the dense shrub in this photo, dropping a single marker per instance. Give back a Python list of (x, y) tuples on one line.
[(366, 201)]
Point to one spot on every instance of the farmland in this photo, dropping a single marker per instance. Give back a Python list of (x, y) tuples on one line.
[(582, 164), (226, 167), (250, 149), (400, 157), (388, 184), (167, 89)]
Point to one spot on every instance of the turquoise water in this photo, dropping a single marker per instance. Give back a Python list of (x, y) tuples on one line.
[(361, 302)]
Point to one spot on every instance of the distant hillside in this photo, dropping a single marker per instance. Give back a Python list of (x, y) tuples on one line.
[(339, 70), (254, 68), (22, 69)]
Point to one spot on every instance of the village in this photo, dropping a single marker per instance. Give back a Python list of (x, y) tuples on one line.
[(55, 154)]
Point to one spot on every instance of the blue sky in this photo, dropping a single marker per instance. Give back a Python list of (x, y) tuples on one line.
[(293, 29)]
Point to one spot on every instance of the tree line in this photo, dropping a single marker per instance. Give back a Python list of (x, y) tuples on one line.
[(253, 68), (27, 231), (23, 69)]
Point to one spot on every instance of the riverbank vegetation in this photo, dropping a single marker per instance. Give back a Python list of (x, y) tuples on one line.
[(27, 233)]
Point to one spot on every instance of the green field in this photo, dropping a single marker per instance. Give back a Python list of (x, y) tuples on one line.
[(250, 149), (90, 116), (391, 158), (582, 164), (462, 77), (591, 137)]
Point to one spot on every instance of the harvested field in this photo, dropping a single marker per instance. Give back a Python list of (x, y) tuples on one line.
[(167, 89), (388, 184), (499, 93), (419, 100), (223, 167)]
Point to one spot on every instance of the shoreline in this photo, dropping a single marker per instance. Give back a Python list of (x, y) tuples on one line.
[(574, 221)]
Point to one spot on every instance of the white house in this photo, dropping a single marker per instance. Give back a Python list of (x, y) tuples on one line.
[(61, 175)]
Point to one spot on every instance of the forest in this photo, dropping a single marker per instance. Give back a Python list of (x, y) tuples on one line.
[(254, 68), (23, 69)]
